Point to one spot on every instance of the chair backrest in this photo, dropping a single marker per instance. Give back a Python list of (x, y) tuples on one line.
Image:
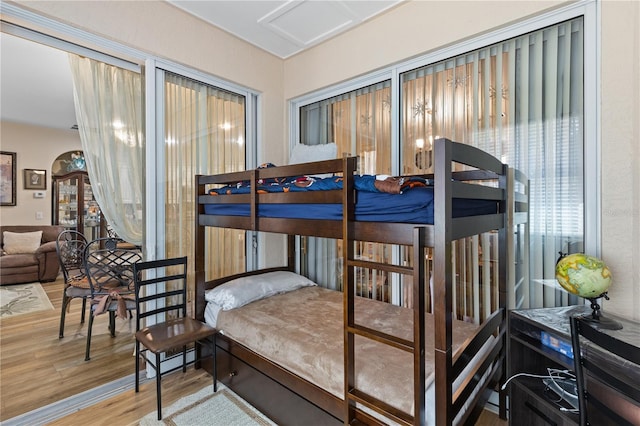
[(161, 287), (109, 267), (70, 246), (589, 346)]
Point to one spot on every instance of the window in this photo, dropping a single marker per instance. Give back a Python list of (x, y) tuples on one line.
[(521, 99), (359, 122), (204, 134)]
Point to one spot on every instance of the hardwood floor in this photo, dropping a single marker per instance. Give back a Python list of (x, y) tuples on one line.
[(487, 418), (128, 407), (37, 368)]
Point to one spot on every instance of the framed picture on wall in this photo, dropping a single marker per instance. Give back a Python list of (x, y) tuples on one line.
[(35, 179), (7, 178)]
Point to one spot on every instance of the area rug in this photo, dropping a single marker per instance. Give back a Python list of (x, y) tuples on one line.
[(19, 299), (223, 408)]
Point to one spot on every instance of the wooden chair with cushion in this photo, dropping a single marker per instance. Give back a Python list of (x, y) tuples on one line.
[(70, 247), (109, 271), (595, 403), (161, 296)]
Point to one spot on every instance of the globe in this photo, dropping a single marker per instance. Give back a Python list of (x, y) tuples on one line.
[(583, 275)]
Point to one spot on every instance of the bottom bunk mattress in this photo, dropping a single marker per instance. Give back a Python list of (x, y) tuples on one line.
[(302, 330)]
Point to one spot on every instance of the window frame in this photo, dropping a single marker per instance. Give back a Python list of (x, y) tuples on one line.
[(589, 9), (155, 69)]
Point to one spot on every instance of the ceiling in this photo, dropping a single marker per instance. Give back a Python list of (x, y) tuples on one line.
[(285, 28), (36, 86)]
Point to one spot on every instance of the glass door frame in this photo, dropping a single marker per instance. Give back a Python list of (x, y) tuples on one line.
[(155, 242)]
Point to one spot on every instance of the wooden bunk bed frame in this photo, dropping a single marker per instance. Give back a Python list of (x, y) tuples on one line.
[(287, 398)]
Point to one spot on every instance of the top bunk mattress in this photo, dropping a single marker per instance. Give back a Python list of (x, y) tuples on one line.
[(406, 200)]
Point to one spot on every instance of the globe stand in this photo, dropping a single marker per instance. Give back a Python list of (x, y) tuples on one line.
[(596, 319)]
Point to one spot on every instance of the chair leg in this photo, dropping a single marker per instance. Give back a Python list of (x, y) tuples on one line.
[(158, 392), (65, 303), (89, 327), (184, 359), (112, 323), (137, 366), (215, 365), (84, 309)]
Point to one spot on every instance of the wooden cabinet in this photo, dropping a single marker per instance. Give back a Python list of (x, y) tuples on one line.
[(539, 340), (74, 206), (530, 401), (532, 407)]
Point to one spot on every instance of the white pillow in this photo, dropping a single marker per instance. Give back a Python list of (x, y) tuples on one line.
[(307, 153), (21, 242), (240, 291)]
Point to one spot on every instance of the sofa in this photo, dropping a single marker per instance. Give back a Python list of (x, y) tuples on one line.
[(28, 254)]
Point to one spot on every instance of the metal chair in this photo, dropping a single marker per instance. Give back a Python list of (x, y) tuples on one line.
[(161, 293), (111, 233), (70, 247), (591, 404), (109, 271)]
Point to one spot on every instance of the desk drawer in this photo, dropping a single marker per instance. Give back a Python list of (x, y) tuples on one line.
[(527, 409)]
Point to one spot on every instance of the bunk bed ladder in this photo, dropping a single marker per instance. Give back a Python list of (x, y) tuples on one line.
[(354, 398)]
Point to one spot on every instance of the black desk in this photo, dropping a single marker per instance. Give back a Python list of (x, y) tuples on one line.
[(531, 403)]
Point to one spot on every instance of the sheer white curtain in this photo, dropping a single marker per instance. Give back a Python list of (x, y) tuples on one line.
[(109, 110), (522, 101)]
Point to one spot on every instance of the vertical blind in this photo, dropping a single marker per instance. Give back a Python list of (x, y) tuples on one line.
[(521, 100), (359, 122)]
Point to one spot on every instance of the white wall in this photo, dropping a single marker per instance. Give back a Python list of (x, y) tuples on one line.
[(35, 148)]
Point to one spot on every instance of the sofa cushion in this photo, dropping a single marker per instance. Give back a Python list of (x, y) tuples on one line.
[(9, 263), (21, 242), (19, 275)]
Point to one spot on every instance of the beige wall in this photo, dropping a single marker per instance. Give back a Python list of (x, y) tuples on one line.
[(412, 29), (406, 31), (35, 148), (620, 134)]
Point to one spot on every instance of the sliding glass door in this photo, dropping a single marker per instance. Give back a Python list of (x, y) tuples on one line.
[(202, 131)]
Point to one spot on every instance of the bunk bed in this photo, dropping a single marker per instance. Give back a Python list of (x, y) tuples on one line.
[(464, 365)]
